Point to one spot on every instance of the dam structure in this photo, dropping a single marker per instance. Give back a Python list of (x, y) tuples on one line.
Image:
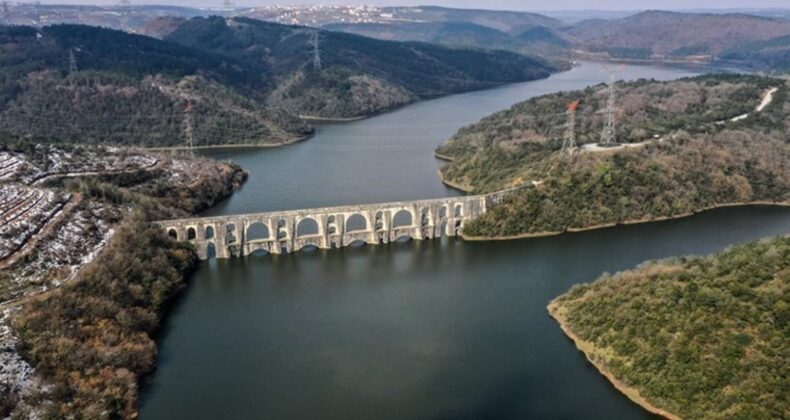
[(278, 232)]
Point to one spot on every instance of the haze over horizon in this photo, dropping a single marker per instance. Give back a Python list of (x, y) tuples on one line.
[(521, 5)]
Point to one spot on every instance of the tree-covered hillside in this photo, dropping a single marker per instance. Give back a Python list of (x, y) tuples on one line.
[(701, 338), (659, 35), (693, 149), (549, 44), (235, 81), (358, 75), (132, 90)]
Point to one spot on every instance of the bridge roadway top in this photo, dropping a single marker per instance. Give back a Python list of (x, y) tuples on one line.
[(334, 209)]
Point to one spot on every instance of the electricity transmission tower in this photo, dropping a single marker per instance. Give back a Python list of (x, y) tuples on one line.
[(189, 126), (227, 4), (608, 133), (314, 41), (569, 142), (124, 3), (72, 61)]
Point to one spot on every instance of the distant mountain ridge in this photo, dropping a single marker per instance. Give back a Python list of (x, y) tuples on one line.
[(129, 89), (359, 75), (218, 80), (698, 36), (665, 35)]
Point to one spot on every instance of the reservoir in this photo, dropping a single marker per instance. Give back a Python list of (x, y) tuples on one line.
[(439, 329)]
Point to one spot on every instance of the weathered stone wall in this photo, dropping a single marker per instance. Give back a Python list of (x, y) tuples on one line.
[(288, 231)]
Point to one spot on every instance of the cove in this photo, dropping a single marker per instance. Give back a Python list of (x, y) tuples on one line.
[(441, 329)]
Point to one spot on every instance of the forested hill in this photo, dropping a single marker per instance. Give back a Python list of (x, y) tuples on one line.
[(757, 42), (78, 83), (240, 80), (358, 75), (696, 143), (700, 338)]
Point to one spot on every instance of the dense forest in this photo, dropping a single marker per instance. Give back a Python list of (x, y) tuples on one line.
[(358, 75), (692, 155), (748, 41), (700, 337), (220, 81), (769, 54), (91, 339), (131, 90)]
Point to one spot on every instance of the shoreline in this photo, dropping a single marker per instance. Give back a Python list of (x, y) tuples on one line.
[(312, 118), (439, 156), (623, 223), (451, 184), (586, 347), (227, 146)]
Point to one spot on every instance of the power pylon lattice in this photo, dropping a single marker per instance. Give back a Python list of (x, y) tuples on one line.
[(124, 3), (227, 4), (189, 129), (315, 42), (608, 135), (72, 61), (569, 142)]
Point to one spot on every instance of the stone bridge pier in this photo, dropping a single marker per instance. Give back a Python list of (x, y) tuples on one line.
[(330, 227)]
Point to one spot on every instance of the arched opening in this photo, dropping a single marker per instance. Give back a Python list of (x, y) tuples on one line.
[(443, 229), (331, 226), (425, 218), (356, 222), (443, 212), (402, 218), (403, 238), (191, 234), (172, 233), (282, 233), (357, 243), (308, 248), (230, 235), (457, 226), (458, 210), (257, 231), (211, 251), (307, 226), (259, 253), (209, 232), (379, 221)]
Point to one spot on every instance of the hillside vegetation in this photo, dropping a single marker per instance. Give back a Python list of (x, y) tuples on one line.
[(701, 338), (86, 327), (130, 90), (359, 76), (236, 81), (704, 37), (693, 156)]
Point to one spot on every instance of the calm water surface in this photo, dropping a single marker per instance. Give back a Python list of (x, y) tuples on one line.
[(419, 330)]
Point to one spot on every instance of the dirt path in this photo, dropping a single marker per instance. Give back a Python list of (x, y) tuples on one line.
[(46, 230), (157, 163), (767, 99)]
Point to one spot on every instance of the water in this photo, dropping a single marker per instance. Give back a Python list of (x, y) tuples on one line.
[(420, 330)]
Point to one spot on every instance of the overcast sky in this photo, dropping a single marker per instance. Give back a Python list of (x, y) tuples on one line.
[(486, 4)]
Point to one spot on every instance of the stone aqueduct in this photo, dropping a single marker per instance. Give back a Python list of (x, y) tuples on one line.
[(330, 227)]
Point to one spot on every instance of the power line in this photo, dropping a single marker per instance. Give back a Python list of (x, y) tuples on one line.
[(72, 61), (569, 142), (608, 135), (189, 129), (315, 42)]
